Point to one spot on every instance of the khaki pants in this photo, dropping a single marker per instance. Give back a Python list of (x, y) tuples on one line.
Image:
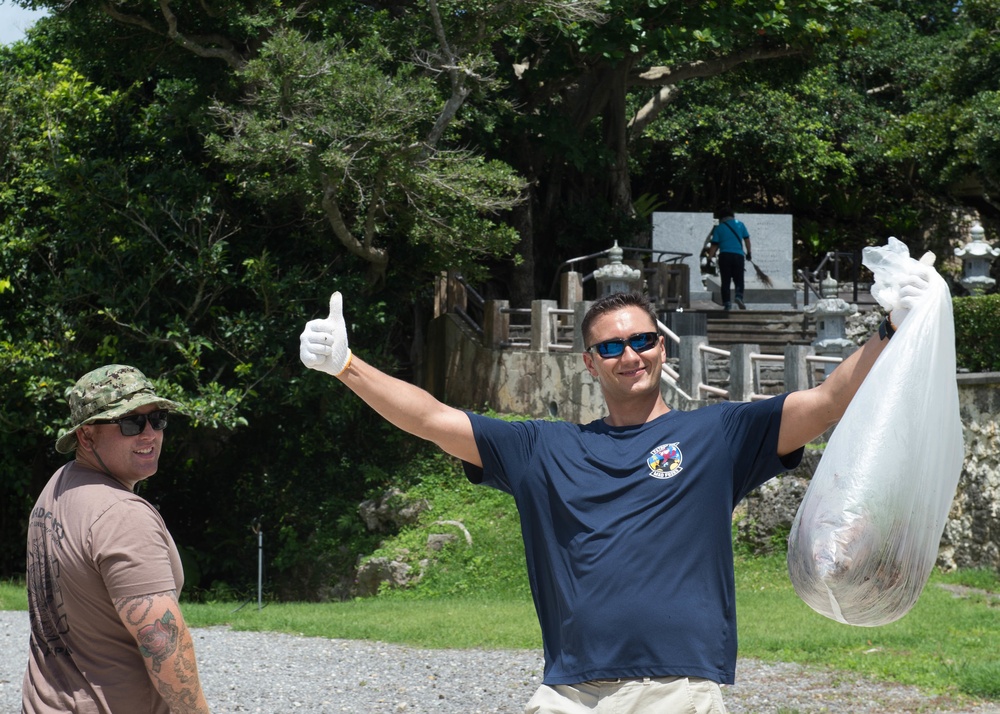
[(648, 695)]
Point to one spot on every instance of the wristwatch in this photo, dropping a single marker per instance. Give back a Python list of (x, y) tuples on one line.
[(885, 329)]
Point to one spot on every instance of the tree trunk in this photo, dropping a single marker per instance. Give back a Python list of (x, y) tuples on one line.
[(522, 286), (616, 139)]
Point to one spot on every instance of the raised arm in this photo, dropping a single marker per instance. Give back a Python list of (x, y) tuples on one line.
[(164, 641), (323, 346), (808, 413)]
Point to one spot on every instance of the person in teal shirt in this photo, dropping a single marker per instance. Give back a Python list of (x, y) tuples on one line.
[(728, 239)]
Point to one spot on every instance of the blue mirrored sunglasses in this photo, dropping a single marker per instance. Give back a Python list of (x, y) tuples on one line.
[(135, 424), (639, 342)]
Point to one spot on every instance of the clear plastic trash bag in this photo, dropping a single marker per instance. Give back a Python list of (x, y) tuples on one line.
[(866, 535)]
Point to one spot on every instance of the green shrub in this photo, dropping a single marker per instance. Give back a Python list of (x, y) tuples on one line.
[(977, 332), (492, 565)]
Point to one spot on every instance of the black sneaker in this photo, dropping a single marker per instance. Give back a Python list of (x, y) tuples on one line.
[(740, 304)]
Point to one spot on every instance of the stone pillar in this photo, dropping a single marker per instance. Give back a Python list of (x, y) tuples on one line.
[(796, 367), (496, 323), (684, 323), (691, 363), (570, 289), (579, 311), (741, 372), (541, 324), (441, 294), (456, 293)]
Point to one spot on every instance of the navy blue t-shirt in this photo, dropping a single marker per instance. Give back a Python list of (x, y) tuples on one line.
[(628, 534)]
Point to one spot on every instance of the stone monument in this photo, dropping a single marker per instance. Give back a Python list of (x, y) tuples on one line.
[(771, 241)]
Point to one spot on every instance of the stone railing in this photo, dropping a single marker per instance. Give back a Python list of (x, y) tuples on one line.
[(549, 327)]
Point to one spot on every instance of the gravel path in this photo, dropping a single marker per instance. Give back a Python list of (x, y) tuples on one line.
[(272, 673)]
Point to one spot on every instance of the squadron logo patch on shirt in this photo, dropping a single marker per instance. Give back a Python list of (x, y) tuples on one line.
[(665, 461)]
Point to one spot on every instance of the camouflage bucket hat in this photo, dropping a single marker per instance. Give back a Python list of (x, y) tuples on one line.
[(107, 393)]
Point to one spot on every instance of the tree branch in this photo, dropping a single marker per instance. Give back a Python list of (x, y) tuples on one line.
[(666, 79), (200, 45), (377, 257)]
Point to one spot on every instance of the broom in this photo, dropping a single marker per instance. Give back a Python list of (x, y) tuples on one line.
[(761, 275)]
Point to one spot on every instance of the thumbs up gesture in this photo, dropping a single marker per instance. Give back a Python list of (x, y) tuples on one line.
[(323, 344)]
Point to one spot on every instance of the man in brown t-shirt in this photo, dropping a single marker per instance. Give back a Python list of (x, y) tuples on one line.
[(104, 575)]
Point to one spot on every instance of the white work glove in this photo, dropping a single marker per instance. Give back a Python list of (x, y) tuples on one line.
[(323, 344), (912, 288)]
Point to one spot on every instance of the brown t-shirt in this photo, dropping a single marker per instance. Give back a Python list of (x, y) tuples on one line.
[(90, 541)]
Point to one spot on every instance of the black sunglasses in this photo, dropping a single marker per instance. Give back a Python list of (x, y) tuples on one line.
[(135, 424), (639, 342)]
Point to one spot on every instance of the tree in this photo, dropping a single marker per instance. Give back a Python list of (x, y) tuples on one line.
[(123, 240), (582, 96), (325, 126)]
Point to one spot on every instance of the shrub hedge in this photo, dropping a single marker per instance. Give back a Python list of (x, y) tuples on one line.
[(977, 332)]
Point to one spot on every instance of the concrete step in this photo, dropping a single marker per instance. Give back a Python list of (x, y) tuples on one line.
[(771, 329)]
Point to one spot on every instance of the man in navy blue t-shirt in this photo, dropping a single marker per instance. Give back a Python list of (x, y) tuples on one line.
[(626, 521)]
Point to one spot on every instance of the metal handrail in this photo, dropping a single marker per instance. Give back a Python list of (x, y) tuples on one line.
[(668, 373), (677, 257), (809, 277), (703, 385), (553, 329)]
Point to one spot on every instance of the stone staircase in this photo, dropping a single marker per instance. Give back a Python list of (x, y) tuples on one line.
[(771, 329)]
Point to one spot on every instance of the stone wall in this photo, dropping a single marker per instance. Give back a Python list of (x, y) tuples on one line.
[(971, 538)]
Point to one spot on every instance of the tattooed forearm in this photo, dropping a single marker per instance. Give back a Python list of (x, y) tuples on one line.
[(183, 699), (165, 643), (182, 691)]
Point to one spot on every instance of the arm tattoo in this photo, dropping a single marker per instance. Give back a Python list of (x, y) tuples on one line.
[(169, 651), (158, 639), (136, 609)]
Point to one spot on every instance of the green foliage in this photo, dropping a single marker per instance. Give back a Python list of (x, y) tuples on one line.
[(335, 128), (124, 239), (491, 566), (977, 332), (13, 595)]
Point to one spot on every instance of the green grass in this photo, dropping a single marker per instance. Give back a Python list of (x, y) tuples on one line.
[(446, 622), (13, 596), (945, 644)]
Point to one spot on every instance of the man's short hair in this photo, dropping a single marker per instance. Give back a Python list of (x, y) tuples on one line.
[(613, 303)]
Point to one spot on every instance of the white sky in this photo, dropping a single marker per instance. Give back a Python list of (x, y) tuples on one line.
[(14, 20)]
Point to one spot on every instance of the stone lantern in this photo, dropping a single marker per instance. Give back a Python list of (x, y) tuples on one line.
[(830, 313), (616, 277), (977, 255)]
